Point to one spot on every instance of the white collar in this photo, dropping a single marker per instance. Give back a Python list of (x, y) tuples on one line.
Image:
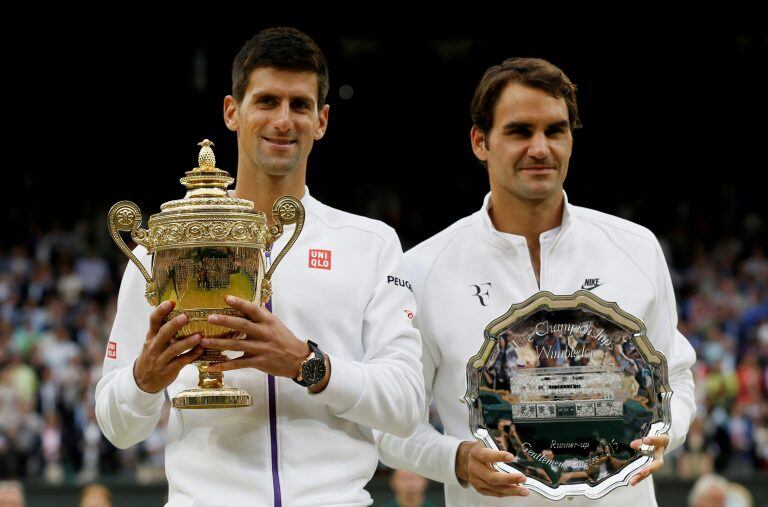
[(488, 231)]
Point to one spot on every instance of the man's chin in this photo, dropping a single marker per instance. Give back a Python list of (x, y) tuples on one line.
[(280, 171), (542, 192), (279, 168)]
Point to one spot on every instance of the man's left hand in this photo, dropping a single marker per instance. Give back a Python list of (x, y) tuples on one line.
[(660, 442), (268, 346)]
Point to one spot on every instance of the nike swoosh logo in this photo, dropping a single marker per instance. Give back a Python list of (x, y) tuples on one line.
[(592, 287)]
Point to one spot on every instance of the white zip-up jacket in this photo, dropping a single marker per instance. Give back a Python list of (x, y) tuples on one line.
[(470, 273), (341, 285)]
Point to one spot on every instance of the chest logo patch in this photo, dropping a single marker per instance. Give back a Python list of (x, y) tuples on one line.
[(591, 283), (112, 350), (319, 259), (481, 292)]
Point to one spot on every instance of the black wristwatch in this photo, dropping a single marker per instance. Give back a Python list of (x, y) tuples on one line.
[(312, 369)]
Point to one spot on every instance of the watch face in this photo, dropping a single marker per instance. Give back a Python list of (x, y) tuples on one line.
[(314, 370)]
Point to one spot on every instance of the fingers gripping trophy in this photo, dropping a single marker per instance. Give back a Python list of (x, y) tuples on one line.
[(204, 247)]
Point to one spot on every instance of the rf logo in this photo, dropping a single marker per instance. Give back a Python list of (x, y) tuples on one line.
[(481, 292)]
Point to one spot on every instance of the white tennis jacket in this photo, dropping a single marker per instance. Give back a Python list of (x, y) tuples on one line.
[(470, 273), (342, 286)]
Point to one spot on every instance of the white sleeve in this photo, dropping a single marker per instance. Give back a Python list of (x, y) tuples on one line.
[(126, 414), (427, 451), (662, 330), (385, 390)]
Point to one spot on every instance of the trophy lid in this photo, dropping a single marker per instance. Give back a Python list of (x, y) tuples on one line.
[(207, 185), (207, 215)]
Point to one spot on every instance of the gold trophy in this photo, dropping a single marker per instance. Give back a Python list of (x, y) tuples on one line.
[(203, 247)]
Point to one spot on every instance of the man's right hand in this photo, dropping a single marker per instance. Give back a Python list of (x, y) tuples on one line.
[(160, 361), (474, 465)]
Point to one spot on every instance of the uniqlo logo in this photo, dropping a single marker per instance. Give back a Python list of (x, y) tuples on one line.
[(319, 259), (112, 350)]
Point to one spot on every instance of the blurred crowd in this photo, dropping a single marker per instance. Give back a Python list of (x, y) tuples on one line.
[(58, 294), (723, 306)]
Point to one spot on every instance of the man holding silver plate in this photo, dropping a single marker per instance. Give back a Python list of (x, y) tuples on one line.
[(549, 331), (330, 355)]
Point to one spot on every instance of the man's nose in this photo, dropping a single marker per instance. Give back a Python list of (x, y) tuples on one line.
[(282, 120), (539, 147)]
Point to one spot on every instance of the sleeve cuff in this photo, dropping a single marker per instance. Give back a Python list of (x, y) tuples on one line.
[(345, 387), (131, 395), (451, 448)]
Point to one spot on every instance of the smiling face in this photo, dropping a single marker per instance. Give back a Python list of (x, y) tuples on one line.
[(528, 146), (277, 121)]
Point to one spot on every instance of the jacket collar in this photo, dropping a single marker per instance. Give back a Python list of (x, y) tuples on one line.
[(484, 226)]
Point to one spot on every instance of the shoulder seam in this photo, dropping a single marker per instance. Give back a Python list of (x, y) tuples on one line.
[(353, 226), (454, 228), (437, 257), (631, 259), (593, 216)]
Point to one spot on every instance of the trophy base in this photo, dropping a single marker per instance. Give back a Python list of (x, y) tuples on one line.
[(213, 397)]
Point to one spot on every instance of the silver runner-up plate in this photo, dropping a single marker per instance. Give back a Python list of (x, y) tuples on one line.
[(564, 384)]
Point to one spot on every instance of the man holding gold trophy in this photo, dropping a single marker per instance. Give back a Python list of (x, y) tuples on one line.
[(555, 325), (330, 355)]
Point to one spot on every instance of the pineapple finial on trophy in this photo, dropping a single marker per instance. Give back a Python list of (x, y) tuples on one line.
[(206, 160), (206, 180)]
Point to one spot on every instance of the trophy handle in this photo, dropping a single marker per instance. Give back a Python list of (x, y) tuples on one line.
[(126, 216), (286, 210)]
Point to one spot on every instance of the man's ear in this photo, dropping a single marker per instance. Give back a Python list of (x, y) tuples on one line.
[(477, 138), (323, 123), (230, 112)]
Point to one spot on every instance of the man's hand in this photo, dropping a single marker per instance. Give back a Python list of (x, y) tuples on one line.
[(474, 464), (268, 346), (160, 361), (660, 442)]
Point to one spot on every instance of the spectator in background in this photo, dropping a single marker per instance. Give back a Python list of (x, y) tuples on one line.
[(755, 267), (56, 350), (11, 494), (409, 488), (95, 495), (93, 270), (90, 447), (69, 285), (695, 460), (714, 491), (749, 379), (53, 470)]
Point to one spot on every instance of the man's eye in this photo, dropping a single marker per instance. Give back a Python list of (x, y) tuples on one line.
[(269, 101), (300, 105)]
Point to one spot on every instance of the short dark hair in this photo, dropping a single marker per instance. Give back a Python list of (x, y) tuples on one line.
[(284, 48), (531, 72)]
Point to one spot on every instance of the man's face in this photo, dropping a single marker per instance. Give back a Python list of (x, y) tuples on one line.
[(408, 487), (277, 121), (529, 145), (11, 496)]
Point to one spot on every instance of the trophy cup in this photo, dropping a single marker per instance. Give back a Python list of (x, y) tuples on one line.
[(567, 382), (203, 247)]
